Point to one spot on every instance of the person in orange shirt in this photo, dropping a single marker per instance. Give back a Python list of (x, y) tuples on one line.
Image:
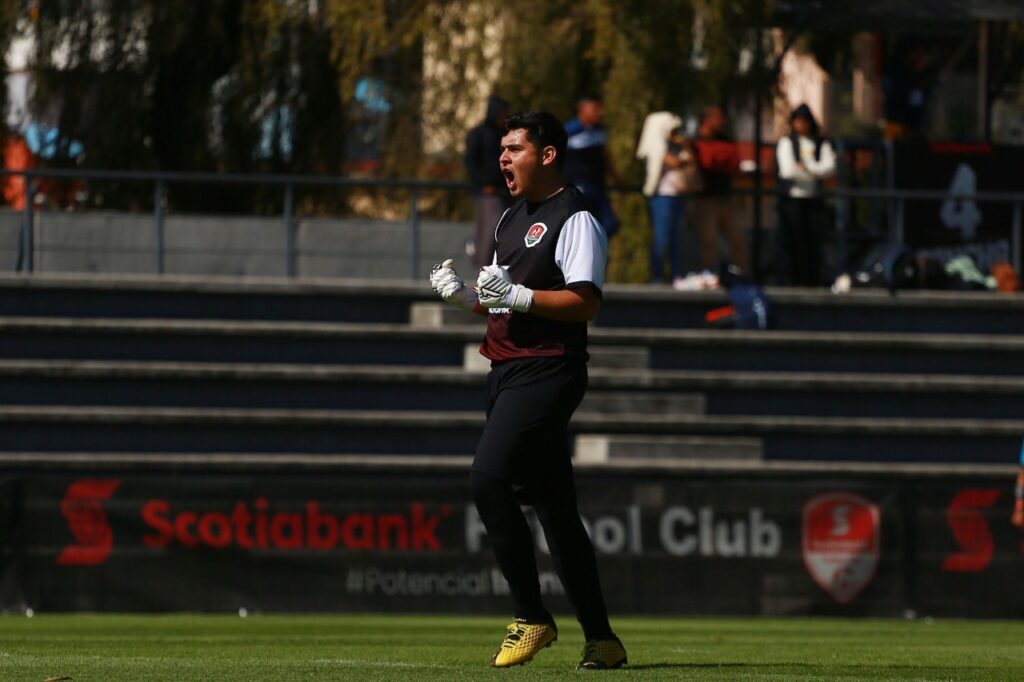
[(712, 207), (17, 156)]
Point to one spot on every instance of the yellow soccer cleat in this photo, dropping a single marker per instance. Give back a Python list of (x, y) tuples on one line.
[(522, 643), (603, 654)]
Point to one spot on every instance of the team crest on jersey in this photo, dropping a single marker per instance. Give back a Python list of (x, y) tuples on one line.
[(535, 234)]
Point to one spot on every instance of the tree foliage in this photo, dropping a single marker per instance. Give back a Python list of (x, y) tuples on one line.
[(202, 86)]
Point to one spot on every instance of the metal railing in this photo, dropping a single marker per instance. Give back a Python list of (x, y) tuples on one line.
[(842, 196), (161, 180)]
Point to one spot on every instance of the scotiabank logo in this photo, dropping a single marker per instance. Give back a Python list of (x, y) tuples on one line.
[(82, 506), (966, 518), (255, 526), (841, 543)]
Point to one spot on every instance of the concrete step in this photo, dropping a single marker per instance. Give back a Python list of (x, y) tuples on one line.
[(391, 344), (381, 300), (221, 298), (431, 315), (914, 312), (601, 357), (368, 387), (136, 429), (821, 394), (643, 402), (595, 448), (734, 350)]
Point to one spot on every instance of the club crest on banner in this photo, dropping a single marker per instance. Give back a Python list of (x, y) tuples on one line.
[(841, 537), (535, 234)]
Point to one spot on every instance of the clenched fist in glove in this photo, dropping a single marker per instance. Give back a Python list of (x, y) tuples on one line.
[(452, 288), (496, 290)]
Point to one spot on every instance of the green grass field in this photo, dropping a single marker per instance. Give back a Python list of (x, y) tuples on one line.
[(283, 648)]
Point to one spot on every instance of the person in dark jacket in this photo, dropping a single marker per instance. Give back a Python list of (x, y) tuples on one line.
[(804, 160), (587, 161), (485, 178)]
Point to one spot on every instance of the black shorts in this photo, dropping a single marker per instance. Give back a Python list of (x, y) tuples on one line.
[(529, 404)]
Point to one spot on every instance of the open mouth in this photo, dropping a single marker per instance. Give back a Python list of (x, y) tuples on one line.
[(510, 178)]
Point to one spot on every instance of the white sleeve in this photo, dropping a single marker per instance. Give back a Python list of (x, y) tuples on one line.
[(826, 164), (785, 159), (582, 250)]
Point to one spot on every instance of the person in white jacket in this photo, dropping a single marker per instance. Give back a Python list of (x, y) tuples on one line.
[(804, 159), (667, 157)]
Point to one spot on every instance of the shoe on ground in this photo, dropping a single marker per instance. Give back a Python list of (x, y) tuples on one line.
[(692, 282), (708, 280), (603, 654), (522, 642)]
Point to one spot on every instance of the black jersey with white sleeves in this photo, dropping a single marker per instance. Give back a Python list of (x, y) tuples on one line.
[(552, 245)]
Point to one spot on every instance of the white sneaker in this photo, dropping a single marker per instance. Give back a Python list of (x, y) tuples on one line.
[(692, 282), (708, 280)]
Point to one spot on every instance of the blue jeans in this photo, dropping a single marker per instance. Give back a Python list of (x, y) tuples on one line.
[(668, 218)]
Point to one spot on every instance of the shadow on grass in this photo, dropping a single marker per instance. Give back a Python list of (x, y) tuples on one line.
[(963, 670), (696, 666)]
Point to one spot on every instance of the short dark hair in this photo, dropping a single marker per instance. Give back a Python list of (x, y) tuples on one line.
[(543, 129)]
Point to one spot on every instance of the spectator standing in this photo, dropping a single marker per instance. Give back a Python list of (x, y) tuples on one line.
[(671, 172), (712, 207), (17, 156), (587, 162), (907, 84), (804, 159), (485, 178)]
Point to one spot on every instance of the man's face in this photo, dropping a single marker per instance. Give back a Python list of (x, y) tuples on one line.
[(801, 126), (590, 113), (520, 161)]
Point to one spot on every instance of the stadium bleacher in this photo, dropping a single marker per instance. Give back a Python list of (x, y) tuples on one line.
[(157, 366)]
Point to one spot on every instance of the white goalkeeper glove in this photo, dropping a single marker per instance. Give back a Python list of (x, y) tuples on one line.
[(496, 290), (451, 288)]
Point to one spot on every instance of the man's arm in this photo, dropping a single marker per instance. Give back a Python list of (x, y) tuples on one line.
[(568, 305), (825, 166)]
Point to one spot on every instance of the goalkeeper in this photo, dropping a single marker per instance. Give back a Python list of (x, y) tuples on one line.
[(542, 288)]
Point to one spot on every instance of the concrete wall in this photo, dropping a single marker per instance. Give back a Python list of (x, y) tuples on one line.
[(228, 245)]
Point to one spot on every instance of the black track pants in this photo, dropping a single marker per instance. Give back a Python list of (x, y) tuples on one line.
[(524, 456)]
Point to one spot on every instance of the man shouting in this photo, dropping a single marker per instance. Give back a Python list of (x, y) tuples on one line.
[(539, 293)]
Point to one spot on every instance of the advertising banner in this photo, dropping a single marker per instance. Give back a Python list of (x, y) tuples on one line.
[(942, 229), (767, 544)]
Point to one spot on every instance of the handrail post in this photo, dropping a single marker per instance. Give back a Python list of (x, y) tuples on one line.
[(414, 233), (289, 230), (842, 205), (1015, 240), (898, 237), (27, 252), (158, 219)]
